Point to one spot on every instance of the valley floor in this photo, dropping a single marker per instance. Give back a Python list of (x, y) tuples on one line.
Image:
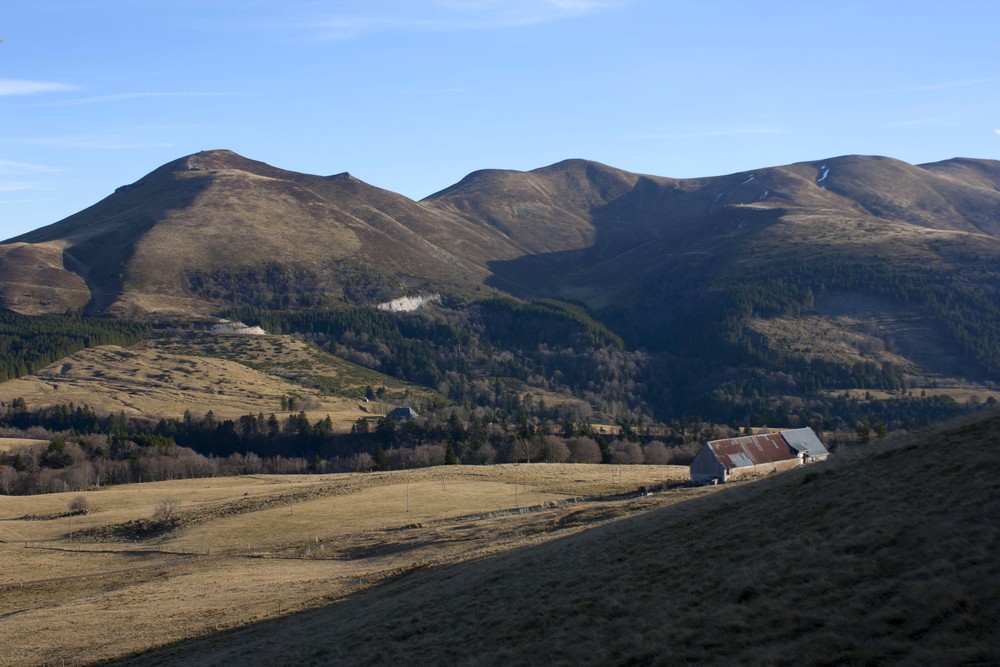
[(82, 589), (884, 555)]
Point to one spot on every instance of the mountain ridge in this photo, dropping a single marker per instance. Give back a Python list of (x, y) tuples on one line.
[(706, 274)]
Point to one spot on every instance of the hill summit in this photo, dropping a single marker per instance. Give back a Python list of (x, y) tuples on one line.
[(216, 229), (854, 270)]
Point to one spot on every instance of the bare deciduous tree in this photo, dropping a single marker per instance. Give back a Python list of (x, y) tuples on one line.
[(626, 452), (167, 509), (584, 450), (656, 453), (79, 505), (555, 450)]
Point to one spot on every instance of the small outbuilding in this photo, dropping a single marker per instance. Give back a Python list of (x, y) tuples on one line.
[(751, 455), (402, 414), (806, 445)]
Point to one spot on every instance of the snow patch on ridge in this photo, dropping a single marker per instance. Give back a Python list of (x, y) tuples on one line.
[(822, 177), (407, 304)]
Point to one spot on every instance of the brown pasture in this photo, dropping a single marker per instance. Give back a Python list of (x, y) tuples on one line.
[(247, 549), (13, 444)]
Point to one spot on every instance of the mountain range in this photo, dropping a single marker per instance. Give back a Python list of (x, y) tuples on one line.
[(800, 269)]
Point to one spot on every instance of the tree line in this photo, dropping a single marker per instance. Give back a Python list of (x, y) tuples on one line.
[(28, 343), (85, 450), (480, 353)]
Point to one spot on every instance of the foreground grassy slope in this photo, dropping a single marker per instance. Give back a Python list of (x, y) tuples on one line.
[(84, 588), (886, 555)]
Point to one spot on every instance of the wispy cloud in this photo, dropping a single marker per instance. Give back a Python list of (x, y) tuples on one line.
[(22, 169), (12, 167), (97, 141), (17, 186), (451, 15), (448, 90), (21, 87), (944, 120), (126, 97), (931, 87), (711, 133)]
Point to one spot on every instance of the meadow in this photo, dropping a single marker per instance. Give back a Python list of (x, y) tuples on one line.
[(884, 555), (81, 588)]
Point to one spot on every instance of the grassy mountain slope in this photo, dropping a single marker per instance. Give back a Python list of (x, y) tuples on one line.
[(35, 280), (711, 275), (232, 375), (803, 212), (882, 555), (216, 228)]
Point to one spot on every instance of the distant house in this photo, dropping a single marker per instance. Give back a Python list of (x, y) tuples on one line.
[(402, 414), (746, 456)]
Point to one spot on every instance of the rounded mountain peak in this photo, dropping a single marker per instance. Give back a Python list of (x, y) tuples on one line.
[(218, 160)]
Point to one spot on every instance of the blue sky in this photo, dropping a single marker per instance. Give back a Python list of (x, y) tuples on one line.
[(411, 95)]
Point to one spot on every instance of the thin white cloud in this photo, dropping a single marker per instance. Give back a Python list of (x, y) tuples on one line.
[(452, 15), (7, 202), (17, 186), (944, 120), (97, 141), (12, 167), (20, 87), (931, 87), (711, 133), (946, 85), (126, 97), (451, 90)]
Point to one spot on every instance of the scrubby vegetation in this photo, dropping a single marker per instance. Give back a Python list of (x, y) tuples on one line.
[(481, 355), (85, 450), (516, 381), (28, 343), (971, 316)]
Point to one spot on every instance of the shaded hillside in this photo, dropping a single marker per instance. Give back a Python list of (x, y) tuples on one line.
[(35, 281), (713, 280), (690, 268), (881, 556), (215, 228), (664, 236)]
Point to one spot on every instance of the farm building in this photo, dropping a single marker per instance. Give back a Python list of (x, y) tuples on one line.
[(806, 445), (402, 414), (751, 455)]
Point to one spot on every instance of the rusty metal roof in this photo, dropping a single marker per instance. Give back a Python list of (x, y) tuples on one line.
[(751, 450)]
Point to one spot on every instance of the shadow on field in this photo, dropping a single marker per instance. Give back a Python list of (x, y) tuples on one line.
[(884, 555)]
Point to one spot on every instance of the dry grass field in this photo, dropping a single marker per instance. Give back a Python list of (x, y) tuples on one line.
[(148, 383), (286, 357), (230, 374), (884, 555), (80, 589), (962, 393), (12, 444)]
